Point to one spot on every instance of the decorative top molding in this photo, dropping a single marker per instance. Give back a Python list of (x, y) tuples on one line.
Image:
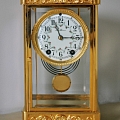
[(61, 2)]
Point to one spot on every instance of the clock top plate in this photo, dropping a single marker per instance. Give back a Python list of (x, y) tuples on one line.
[(60, 2)]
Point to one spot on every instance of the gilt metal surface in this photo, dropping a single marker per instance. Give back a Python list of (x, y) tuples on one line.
[(50, 2), (76, 113)]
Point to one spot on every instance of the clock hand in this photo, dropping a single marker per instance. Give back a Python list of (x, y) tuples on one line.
[(60, 37), (77, 38), (57, 29), (67, 37)]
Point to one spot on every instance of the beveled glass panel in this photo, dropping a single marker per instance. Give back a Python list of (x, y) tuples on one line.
[(44, 95)]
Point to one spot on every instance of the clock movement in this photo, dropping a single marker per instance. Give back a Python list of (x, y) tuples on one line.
[(60, 59)]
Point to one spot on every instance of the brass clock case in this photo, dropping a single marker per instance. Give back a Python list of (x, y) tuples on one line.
[(38, 25)]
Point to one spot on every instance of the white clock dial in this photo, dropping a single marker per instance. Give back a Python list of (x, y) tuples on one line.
[(60, 36)]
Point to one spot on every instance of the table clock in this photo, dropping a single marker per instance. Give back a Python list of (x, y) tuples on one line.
[(60, 59)]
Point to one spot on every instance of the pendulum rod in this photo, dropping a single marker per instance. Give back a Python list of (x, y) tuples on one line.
[(61, 69)]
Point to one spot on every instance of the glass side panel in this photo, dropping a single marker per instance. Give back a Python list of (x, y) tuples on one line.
[(44, 95), (78, 101)]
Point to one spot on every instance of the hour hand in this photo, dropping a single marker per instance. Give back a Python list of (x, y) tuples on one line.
[(60, 37), (57, 28)]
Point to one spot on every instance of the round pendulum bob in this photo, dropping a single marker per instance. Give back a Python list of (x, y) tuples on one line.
[(61, 82)]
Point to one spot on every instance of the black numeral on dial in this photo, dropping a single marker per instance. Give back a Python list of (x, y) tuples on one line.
[(46, 46), (47, 28), (53, 22), (75, 46), (68, 22), (60, 19), (60, 54), (44, 37)]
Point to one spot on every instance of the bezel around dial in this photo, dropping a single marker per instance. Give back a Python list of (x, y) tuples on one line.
[(38, 25)]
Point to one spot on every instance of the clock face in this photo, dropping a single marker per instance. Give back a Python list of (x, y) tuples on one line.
[(60, 37)]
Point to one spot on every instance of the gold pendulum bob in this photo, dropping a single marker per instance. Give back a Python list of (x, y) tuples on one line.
[(61, 82)]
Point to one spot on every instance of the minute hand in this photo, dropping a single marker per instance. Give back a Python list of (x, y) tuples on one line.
[(72, 37), (68, 37)]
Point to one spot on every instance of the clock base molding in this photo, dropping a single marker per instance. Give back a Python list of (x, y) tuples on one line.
[(61, 115)]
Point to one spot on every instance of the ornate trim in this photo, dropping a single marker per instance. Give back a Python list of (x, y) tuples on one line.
[(56, 2), (60, 117)]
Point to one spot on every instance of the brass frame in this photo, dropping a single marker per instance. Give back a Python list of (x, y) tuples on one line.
[(60, 2), (91, 113)]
